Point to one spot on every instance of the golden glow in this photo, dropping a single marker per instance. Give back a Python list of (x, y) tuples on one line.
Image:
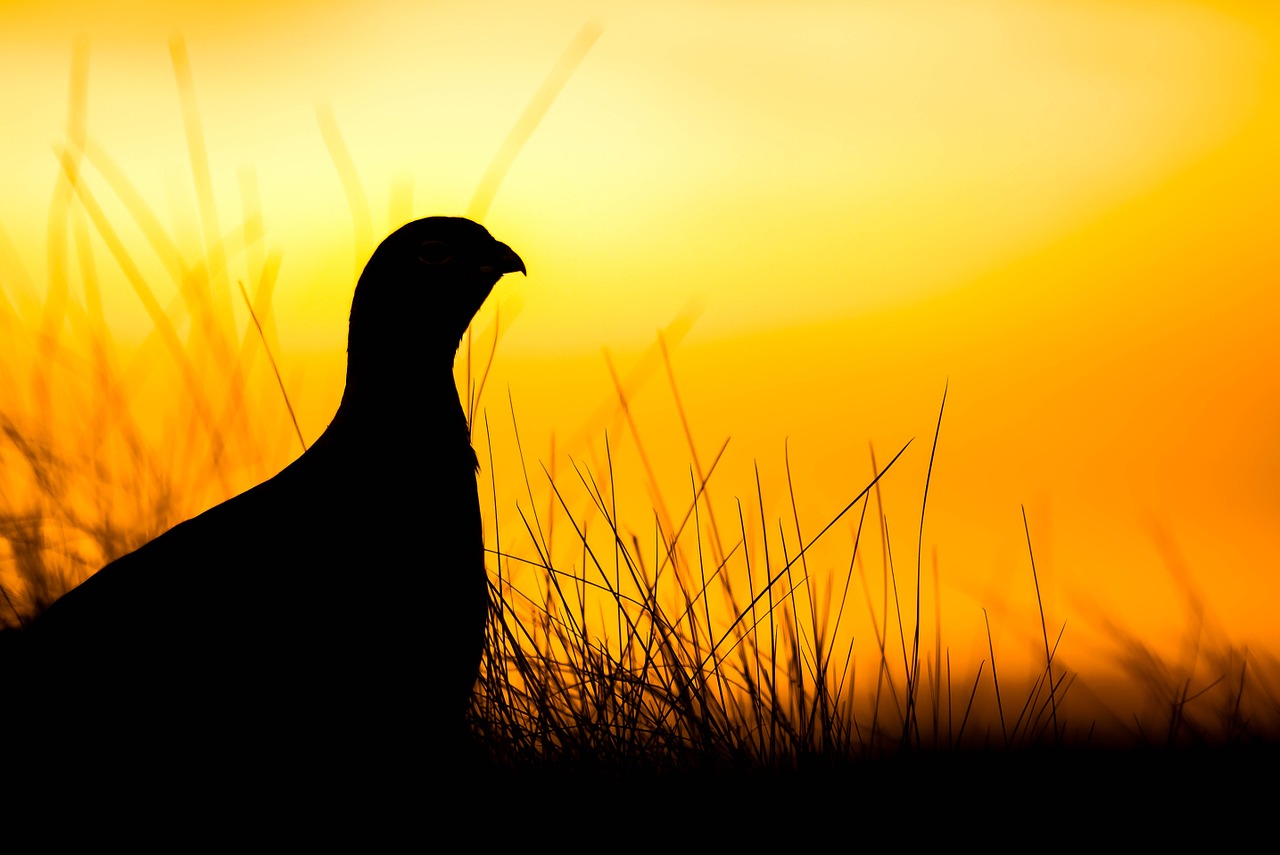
[(1065, 211)]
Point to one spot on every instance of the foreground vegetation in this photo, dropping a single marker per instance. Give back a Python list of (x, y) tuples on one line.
[(708, 649)]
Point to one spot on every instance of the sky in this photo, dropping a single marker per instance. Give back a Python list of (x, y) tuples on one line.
[(1062, 213)]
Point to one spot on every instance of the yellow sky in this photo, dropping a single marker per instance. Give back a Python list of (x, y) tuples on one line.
[(1063, 210)]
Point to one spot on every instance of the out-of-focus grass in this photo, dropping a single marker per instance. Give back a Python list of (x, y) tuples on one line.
[(720, 641)]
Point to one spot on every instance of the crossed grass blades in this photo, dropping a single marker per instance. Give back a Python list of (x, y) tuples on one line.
[(712, 646)]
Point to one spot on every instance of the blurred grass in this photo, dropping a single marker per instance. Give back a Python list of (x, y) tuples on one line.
[(721, 642)]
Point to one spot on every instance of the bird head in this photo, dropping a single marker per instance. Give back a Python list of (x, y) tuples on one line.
[(421, 288)]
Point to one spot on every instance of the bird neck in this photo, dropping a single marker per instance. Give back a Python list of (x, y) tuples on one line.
[(392, 408)]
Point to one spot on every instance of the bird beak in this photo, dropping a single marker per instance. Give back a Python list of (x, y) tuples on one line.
[(504, 261)]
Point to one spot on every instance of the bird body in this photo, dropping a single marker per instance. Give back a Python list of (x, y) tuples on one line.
[(333, 614)]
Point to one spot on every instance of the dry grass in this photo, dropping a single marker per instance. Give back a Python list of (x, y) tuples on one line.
[(712, 648)]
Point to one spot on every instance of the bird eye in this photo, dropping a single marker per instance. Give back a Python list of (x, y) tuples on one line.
[(434, 252)]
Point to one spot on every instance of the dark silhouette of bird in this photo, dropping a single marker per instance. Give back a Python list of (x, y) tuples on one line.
[(331, 618)]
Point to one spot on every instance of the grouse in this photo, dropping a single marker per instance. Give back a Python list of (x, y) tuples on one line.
[(333, 616)]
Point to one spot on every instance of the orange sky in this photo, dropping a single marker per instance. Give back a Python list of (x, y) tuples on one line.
[(1065, 211)]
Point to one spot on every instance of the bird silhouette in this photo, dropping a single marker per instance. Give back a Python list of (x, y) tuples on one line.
[(331, 617)]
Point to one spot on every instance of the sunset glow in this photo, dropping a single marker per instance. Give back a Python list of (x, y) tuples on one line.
[(1061, 213)]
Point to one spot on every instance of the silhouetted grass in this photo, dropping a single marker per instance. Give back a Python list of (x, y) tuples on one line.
[(618, 662), (715, 648)]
